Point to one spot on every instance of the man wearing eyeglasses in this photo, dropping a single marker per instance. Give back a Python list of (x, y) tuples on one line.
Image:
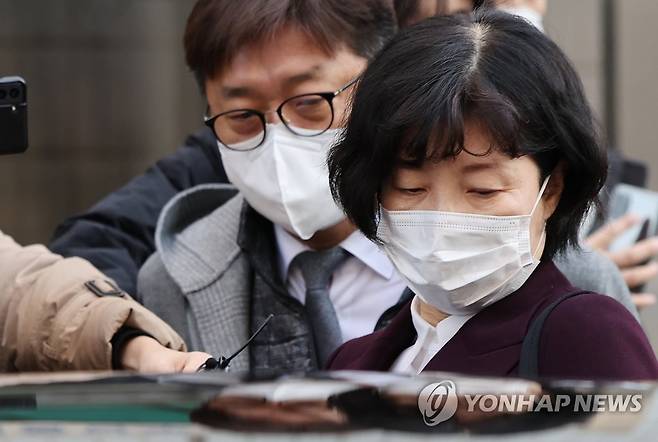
[(277, 243)]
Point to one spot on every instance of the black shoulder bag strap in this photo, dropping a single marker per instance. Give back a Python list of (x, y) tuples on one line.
[(529, 360)]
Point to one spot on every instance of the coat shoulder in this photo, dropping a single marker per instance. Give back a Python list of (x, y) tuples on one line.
[(592, 336)]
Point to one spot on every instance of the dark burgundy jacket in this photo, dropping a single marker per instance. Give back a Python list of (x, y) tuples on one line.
[(589, 336)]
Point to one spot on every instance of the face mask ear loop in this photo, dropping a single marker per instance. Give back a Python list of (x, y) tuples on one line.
[(541, 193), (541, 240), (378, 212), (543, 233)]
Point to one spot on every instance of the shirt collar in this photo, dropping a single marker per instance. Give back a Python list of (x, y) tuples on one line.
[(424, 328), (356, 244)]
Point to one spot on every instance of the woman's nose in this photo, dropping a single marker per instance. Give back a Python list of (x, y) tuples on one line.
[(443, 203)]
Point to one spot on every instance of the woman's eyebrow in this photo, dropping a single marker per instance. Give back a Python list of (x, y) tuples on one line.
[(496, 168), (409, 164), (478, 167)]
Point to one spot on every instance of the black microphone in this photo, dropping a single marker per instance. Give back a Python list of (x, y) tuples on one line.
[(223, 363)]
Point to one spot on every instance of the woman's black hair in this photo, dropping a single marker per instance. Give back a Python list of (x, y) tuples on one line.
[(416, 95)]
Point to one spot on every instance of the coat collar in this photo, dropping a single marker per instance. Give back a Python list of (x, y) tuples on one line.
[(203, 230), (488, 343), (191, 228)]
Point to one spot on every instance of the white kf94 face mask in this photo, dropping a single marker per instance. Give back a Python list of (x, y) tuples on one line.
[(460, 263), (286, 179)]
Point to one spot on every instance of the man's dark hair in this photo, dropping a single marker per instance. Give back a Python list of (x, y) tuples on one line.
[(416, 96), (217, 29), (408, 12)]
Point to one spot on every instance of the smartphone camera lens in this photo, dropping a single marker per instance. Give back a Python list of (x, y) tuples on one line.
[(13, 93), (3, 94)]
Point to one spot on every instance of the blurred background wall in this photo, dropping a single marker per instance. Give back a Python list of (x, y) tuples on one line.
[(109, 94)]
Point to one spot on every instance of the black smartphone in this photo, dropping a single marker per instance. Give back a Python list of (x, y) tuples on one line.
[(13, 115), (644, 234)]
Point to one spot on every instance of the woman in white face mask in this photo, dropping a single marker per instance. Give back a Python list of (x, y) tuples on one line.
[(471, 158)]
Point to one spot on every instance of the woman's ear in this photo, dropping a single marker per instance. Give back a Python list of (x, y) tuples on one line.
[(553, 190)]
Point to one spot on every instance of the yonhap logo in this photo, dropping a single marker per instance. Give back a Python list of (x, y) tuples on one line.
[(438, 402)]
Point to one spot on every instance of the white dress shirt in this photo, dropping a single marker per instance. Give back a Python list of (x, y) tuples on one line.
[(362, 288), (429, 342)]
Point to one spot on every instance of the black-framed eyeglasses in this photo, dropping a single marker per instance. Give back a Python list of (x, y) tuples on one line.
[(306, 115)]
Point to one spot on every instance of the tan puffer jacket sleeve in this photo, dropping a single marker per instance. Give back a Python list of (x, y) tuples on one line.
[(51, 320)]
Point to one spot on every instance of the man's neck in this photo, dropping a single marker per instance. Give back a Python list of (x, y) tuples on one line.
[(330, 237)]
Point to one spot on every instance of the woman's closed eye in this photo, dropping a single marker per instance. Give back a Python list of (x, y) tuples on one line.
[(410, 190), (483, 193)]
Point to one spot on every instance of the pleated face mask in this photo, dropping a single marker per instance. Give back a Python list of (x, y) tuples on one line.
[(460, 263)]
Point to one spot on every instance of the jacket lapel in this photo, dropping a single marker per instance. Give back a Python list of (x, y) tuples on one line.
[(206, 262), (221, 313), (378, 351)]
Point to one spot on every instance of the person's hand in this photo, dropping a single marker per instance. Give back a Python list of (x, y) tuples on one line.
[(632, 261), (146, 355)]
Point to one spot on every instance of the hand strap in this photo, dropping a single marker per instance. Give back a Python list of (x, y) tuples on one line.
[(529, 360)]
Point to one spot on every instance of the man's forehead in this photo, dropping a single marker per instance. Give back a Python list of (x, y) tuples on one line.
[(263, 79), (286, 54), (284, 61), (285, 74)]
